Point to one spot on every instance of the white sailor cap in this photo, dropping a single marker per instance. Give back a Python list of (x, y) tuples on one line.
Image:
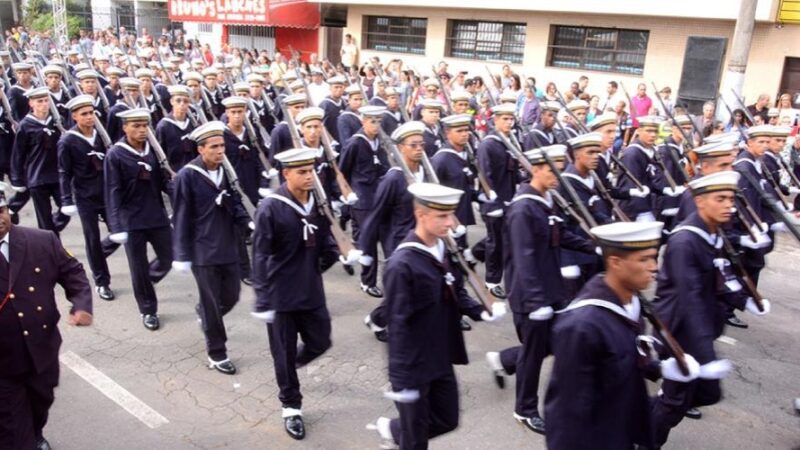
[(781, 131), (79, 101), (683, 119), (650, 121), (407, 129), (716, 149), (52, 68), (730, 136), (371, 111), (297, 157), (758, 130), (81, 66), (130, 82), (353, 89), (390, 91), (557, 152), (577, 104), (178, 89), (773, 112), (435, 196), (316, 71), (297, 85), (196, 76), (38, 92), (115, 71), (602, 120), (241, 86), (551, 106), (88, 73), (432, 103), (431, 82), (134, 62), (727, 180), (338, 79), (115, 52), (143, 73), (631, 236), (504, 109), (135, 115), (197, 62), (460, 96), (175, 59), (210, 72), (457, 120), (294, 99), (255, 78), (585, 141), (155, 65), (5, 53), (310, 113), (507, 97), (22, 66), (290, 76), (207, 130), (234, 102), (101, 58)]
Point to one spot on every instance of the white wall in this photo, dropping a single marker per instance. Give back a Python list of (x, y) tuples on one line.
[(214, 38)]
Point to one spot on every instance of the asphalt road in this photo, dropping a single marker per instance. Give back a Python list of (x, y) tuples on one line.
[(188, 406)]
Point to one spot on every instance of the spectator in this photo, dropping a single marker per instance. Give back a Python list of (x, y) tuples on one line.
[(707, 119), (583, 84), (760, 108), (738, 122), (640, 105), (785, 109), (507, 77), (349, 52), (665, 94), (550, 92), (594, 108), (529, 109)]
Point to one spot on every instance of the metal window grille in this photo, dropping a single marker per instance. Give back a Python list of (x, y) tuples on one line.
[(486, 40), (205, 28), (395, 34), (600, 49)]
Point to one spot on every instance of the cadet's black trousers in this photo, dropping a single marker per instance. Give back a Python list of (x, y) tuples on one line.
[(41, 196), (490, 249), (434, 414), (314, 328), (25, 401), (526, 361), (96, 250), (219, 287), (143, 272), (670, 407)]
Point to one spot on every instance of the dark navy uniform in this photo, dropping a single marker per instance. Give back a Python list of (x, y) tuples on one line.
[(80, 170), (292, 247), (264, 116), (18, 102), (432, 138), (114, 123), (60, 99), (281, 140), (6, 144), (453, 170), (156, 114), (29, 336), (390, 121), (330, 120), (349, 123), (208, 218), (639, 160), (362, 163), (173, 135), (216, 108), (539, 137), (113, 96), (666, 206), (133, 186), (752, 259)]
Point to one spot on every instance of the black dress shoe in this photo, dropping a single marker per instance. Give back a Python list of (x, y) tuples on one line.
[(105, 292), (349, 269), (465, 326), (533, 423), (42, 444), (295, 427), (498, 292), (693, 413), (372, 291), (151, 322), (736, 322), (380, 333), (225, 366), (248, 281)]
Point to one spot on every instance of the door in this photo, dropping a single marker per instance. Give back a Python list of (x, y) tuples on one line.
[(333, 39), (790, 82)]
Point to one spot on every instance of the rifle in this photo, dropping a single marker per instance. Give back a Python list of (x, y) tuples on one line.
[(630, 107), (100, 91), (492, 99), (153, 141), (101, 130), (233, 179), (773, 204), (446, 94), (776, 184), (7, 110), (733, 256), (53, 110), (601, 188), (688, 142)]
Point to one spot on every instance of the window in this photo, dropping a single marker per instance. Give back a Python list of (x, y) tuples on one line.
[(204, 28), (603, 49), (395, 34), (486, 40)]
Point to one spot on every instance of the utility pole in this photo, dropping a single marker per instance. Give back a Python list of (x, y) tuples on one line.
[(740, 52)]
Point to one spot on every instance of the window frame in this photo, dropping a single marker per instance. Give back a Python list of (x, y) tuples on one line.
[(398, 42), (455, 47), (585, 62)]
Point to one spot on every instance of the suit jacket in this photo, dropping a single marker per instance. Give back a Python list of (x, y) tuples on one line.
[(29, 338)]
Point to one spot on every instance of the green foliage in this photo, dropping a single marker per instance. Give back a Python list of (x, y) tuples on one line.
[(38, 16)]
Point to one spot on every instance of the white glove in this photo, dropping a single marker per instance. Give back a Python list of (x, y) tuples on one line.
[(778, 226), (459, 231), (752, 308), (352, 257), (495, 213), (119, 238), (272, 173), (19, 188), (599, 251), (715, 370), (543, 313), (499, 310), (182, 266), (794, 190), (266, 316), (670, 370), (69, 210), (483, 199), (350, 200), (366, 260), (263, 192), (403, 396), (762, 240), (336, 206), (251, 225), (676, 192), (639, 193)]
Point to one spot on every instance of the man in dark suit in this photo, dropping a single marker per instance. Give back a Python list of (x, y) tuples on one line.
[(32, 262)]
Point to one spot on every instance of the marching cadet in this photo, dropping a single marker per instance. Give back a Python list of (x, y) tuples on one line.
[(208, 218), (638, 157), (667, 206), (333, 105), (34, 161), (265, 116), (29, 367), (578, 107), (391, 216), (193, 80), (52, 79), (533, 238), (363, 163), (175, 68), (148, 93), (114, 124), (502, 175), (425, 300), (310, 125), (7, 133), (542, 134), (213, 106), (281, 136), (431, 91), (292, 247), (173, 131), (80, 168), (87, 80), (23, 72), (772, 160), (459, 102), (606, 125), (134, 182), (711, 158), (431, 111), (597, 397), (577, 268), (113, 90), (392, 117), (349, 120), (694, 286)]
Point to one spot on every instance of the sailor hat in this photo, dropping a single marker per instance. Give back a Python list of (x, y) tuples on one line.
[(255, 78), (716, 149), (196, 76), (38, 92), (294, 99), (432, 103), (353, 89), (629, 235), (459, 96), (435, 196), (297, 157), (311, 113), (241, 86), (178, 89), (129, 82), (602, 120), (555, 153), (408, 129), (457, 120), (338, 79), (585, 141), (52, 68), (88, 73), (726, 180), (577, 104), (759, 130), (135, 115), (504, 109), (115, 71), (234, 102), (650, 121), (371, 111), (207, 130), (79, 101)]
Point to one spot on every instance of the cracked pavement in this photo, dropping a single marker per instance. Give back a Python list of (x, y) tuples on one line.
[(343, 389)]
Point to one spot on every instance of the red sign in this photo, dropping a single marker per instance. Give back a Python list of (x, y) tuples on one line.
[(255, 12)]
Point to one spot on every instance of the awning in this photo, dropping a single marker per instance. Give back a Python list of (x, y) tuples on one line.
[(302, 15)]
